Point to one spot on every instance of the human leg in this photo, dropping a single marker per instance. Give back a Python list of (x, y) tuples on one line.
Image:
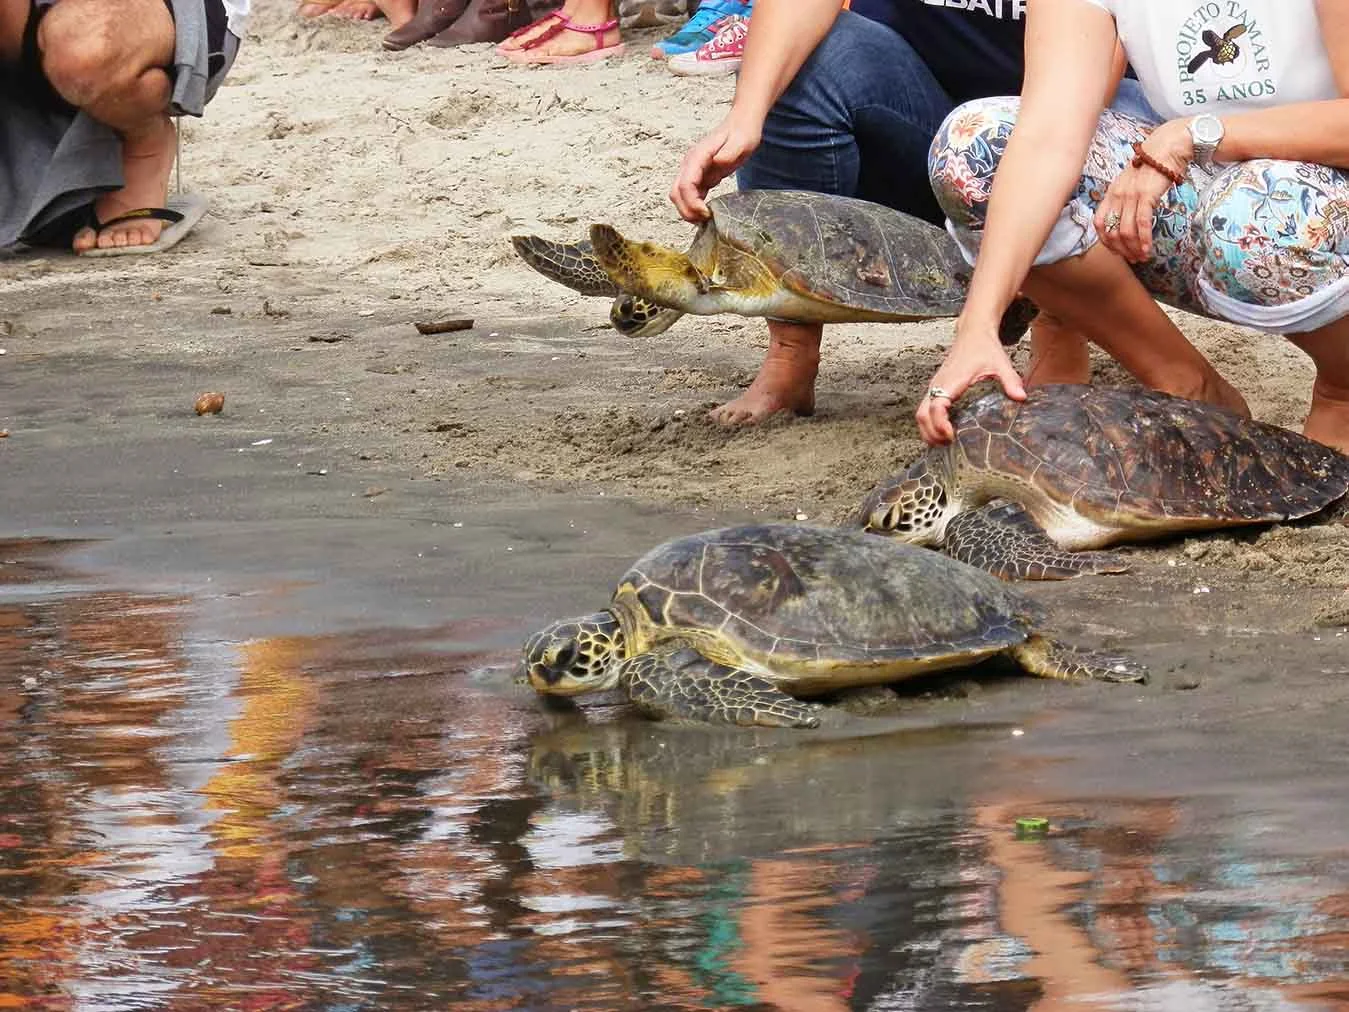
[(856, 121), (356, 10), (1076, 280), (1096, 295), (397, 12), (1060, 353), (431, 18), (785, 381), (1328, 420), (1272, 242), (109, 58)]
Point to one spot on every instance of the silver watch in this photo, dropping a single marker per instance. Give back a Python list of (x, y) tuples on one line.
[(1206, 131)]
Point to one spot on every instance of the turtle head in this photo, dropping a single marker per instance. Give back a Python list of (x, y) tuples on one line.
[(575, 655), (913, 507), (633, 316), (644, 269)]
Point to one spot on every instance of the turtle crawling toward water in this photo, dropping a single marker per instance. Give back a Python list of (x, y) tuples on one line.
[(1026, 489), (740, 625), (785, 254)]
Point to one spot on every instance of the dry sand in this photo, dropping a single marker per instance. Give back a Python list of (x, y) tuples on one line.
[(355, 191)]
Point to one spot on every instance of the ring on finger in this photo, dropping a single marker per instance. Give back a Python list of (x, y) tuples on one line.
[(1112, 221), (935, 393)]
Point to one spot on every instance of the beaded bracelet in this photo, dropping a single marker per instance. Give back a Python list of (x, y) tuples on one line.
[(1142, 158)]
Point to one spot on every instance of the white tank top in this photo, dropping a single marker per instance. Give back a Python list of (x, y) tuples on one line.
[(1223, 56)]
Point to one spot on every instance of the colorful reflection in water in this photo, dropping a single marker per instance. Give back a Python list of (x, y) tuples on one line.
[(189, 823)]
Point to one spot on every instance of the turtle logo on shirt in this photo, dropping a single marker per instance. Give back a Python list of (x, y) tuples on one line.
[(1221, 49)]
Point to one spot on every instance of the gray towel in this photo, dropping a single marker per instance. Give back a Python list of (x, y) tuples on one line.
[(52, 163)]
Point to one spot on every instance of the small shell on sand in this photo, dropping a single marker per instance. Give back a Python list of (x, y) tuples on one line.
[(209, 404)]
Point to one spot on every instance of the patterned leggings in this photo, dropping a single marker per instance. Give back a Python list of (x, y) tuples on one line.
[(1263, 243)]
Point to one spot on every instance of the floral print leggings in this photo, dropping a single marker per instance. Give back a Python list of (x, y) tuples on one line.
[(1263, 243)]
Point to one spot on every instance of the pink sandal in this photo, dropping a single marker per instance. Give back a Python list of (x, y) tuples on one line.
[(556, 15), (562, 23)]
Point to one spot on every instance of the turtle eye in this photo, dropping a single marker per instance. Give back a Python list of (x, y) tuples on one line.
[(896, 519), (566, 656)]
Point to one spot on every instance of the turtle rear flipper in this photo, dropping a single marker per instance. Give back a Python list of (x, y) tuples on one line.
[(1002, 539), (681, 685), (1048, 658), (1016, 321), (568, 263)]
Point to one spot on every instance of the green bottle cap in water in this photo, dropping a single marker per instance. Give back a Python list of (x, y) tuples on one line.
[(1031, 826)]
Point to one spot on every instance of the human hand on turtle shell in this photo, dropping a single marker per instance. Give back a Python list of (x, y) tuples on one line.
[(975, 354), (710, 161), (1136, 193)]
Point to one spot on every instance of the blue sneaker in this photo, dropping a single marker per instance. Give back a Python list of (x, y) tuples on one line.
[(701, 28)]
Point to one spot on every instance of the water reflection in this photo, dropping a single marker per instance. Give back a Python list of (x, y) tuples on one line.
[(357, 822)]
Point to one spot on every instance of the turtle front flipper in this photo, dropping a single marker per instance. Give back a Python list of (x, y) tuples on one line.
[(1048, 658), (568, 263), (679, 684), (633, 316), (1002, 539)]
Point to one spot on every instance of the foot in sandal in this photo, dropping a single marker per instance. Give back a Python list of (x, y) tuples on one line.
[(582, 31)]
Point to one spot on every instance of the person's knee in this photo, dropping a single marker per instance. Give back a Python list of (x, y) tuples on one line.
[(91, 51), (1261, 259), (853, 65), (961, 179)]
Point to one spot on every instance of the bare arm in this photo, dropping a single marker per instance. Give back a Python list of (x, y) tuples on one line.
[(783, 34), (1071, 57), (1315, 132), (1303, 131), (1070, 50)]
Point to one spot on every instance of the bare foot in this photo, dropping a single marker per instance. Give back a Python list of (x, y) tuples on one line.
[(147, 161), (1057, 354), (1217, 390), (786, 380), (1328, 420), (398, 12), (356, 10), (314, 10)]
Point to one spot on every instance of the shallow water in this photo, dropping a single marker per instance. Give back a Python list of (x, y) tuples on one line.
[(381, 820)]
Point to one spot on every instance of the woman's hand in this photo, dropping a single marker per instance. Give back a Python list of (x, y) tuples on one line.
[(710, 161), (1126, 216), (976, 354)]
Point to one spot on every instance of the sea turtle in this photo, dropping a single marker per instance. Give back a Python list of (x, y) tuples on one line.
[(784, 254), (730, 626), (1024, 486)]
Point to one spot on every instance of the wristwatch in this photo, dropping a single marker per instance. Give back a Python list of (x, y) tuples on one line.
[(1206, 131)]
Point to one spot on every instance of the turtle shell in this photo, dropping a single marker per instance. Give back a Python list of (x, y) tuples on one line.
[(818, 608), (1125, 455), (845, 251)]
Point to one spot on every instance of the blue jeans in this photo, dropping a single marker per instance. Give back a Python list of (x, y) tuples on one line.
[(859, 119)]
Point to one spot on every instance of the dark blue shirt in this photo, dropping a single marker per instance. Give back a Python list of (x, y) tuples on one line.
[(974, 48)]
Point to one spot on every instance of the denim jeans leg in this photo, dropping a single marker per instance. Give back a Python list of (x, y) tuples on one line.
[(857, 121)]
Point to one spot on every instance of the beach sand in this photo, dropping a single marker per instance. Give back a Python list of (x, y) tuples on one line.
[(355, 192)]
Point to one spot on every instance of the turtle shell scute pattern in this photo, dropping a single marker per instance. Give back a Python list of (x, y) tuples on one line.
[(1118, 452), (813, 594), (846, 251)]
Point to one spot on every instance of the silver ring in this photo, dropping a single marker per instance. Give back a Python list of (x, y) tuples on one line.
[(935, 392), (1112, 221)]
